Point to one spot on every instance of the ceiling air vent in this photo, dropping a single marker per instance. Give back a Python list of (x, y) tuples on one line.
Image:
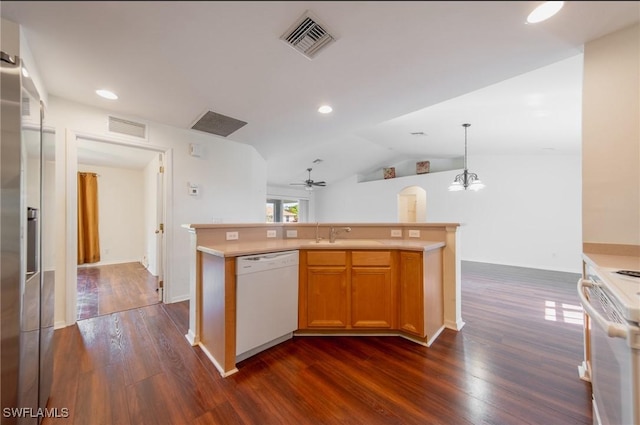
[(307, 36), (126, 127), (218, 124)]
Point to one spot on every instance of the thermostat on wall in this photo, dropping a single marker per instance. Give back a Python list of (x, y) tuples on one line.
[(195, 150)]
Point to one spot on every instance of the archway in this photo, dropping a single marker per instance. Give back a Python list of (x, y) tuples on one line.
[(412, 205)]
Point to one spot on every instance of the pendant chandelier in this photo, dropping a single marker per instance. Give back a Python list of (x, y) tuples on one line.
[(466, 179)]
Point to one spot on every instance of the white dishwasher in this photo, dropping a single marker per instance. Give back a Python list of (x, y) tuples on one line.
[(266, 301)]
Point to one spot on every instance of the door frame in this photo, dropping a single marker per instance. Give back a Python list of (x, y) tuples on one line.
[(71, 217)]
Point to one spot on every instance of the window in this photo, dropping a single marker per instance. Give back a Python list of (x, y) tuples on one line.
[(285, 211)]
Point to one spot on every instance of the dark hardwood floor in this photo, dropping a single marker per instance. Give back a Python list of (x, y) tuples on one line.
[(514, 362), (115, 287)]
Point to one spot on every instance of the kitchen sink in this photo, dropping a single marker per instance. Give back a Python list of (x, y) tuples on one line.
[(349, 242)]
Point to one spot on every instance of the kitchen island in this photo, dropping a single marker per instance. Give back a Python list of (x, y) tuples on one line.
[(363, 283)]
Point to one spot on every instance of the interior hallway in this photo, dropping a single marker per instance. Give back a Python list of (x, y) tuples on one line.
[(112, 288)]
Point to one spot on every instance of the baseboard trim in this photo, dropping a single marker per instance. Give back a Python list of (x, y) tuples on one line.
[(179, 299), (216, 364), (434, 336), (110, 263), (456, 326), (59, 324), (191, 337)]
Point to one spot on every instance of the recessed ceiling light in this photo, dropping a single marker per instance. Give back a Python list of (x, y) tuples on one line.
[(325, 109), (544, 11), (106, 94)]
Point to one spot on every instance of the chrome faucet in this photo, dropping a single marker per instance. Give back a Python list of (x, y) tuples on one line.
[(334, 233)]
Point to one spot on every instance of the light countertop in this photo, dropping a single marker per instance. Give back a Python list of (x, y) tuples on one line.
[(235, 249), (620, 262)]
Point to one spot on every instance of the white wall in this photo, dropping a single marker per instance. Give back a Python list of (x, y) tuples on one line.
[(120, 213), (232, 178), (516, 220), (611, 139)]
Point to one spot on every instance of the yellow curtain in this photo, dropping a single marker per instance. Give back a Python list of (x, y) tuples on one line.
[(88, 238)]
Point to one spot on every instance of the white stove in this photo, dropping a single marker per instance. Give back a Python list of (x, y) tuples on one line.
[(612, 337), (624, 292)]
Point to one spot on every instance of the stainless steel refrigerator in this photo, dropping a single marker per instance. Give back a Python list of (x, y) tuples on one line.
[(26, 291)]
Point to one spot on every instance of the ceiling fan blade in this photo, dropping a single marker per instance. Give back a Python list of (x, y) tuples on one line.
[(309, 183)]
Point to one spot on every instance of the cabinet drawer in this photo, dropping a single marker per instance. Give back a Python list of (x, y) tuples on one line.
[(371, 258), (326, 258)]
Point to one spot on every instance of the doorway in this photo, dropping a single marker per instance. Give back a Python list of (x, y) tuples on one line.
[(412, 205), (124, 278)]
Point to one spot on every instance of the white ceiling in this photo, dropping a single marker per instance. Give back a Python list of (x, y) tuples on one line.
[(396, 68)]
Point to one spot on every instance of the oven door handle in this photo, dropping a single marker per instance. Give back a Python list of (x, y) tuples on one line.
[(614, 330)]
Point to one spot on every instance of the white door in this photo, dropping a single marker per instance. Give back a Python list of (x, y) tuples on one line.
[(160, 227)]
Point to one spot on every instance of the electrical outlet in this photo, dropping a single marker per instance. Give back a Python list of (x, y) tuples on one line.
[(232, 236), (292, 233), (396, 233), (414, 233), (271, 233)]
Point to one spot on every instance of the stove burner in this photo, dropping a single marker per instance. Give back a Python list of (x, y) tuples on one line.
[(631, 273)]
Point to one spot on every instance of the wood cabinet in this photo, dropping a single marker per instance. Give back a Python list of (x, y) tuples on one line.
[(411, 308), (346, 289), (372, 290), (421, 306), (324, 294)]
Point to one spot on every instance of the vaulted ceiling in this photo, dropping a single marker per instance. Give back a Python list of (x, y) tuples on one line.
[(394, 69)]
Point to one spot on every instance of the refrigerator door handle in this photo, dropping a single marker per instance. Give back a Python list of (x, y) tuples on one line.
[(5, 57)]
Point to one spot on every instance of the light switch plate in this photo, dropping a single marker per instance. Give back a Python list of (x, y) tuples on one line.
[(414, 233), (396, 233), (232, 236), (292, 233), (271, 233)]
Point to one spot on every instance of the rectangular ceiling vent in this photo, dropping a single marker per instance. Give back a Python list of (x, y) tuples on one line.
[(307, 36), (218, 124), (126, 127)]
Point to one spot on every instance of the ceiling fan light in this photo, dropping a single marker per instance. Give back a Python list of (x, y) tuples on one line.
[(308, 188)]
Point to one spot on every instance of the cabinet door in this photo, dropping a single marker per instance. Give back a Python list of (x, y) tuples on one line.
[(372, 300), (327, 297), (411, 293)]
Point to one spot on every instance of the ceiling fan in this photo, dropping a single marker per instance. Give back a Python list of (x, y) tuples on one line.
[(309, 184)]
